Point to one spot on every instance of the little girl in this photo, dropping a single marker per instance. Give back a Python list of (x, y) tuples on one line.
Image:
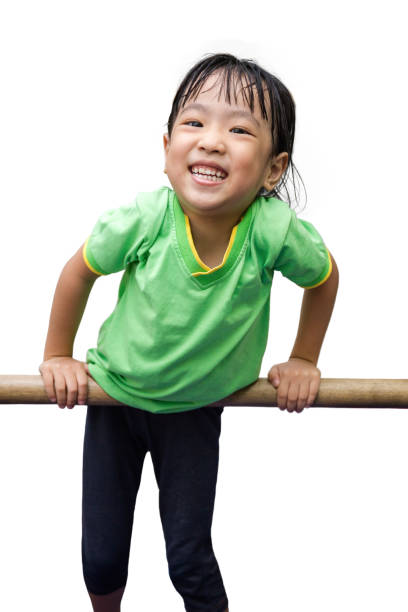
[(191, 322)]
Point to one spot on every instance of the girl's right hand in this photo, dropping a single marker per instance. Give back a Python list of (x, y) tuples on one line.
[(65, 380)]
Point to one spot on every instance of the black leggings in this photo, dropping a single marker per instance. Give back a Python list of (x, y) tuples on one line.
[(184, 451)]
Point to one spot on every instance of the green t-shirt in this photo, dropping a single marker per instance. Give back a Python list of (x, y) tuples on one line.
[(183, 335)]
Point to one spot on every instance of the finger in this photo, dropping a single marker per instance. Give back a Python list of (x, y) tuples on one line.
[(48, 380), (82, 380), (273, 376), (293, 394), (282, 394), (303, 396), (60, 389), (72, 389), (314, 388)]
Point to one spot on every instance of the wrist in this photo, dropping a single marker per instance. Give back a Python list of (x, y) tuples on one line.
[(308, 358), (48, 356)]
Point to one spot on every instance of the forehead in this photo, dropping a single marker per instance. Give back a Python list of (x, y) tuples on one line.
[(228, 90)]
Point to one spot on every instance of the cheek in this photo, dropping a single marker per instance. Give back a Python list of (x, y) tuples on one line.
[(178, 153), (248, 154), (173, 159), (251, 165)]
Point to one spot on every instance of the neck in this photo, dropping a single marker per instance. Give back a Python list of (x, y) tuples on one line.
[(213, 228), (211, 239)]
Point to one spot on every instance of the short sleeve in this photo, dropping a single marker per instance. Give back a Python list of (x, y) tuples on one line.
[(304, 258), (115, 240)]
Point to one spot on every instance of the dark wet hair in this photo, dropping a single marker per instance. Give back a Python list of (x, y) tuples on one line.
[(252, 77)]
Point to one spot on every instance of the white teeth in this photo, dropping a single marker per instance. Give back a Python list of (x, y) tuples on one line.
[(209, 172)]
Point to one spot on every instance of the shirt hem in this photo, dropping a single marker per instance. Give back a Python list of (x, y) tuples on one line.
[(103, 380)]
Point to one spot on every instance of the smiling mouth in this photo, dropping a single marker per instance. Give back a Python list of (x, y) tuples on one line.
[(208, 174)]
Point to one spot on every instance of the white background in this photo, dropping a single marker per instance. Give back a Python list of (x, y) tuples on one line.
[(311, 509)]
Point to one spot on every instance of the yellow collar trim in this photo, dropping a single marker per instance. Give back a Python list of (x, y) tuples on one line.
[(196, 255)]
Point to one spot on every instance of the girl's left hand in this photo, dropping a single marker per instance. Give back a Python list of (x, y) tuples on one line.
[(297, 383)]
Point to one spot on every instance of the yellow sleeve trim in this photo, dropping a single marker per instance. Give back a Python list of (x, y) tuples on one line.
[(92, 269), (326, 277), (196, 255)]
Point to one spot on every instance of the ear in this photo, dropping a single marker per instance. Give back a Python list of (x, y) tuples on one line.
[(166, 144), (275, 170)]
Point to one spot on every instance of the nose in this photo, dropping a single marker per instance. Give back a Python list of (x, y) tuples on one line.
[(212, 141)]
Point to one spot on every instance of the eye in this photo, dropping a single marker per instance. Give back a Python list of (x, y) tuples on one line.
[(238, 130), (194, 123)]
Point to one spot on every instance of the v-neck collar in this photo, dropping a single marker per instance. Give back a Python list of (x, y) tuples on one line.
[(197, 268)]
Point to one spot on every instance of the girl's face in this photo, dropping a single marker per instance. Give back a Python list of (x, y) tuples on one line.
[(220, 155)]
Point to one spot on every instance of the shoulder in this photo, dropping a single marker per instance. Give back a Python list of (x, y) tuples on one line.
[(153, 202), (271, 213), (122, 235), (150, 207), (271, 222), (147, 205), (145, 210)]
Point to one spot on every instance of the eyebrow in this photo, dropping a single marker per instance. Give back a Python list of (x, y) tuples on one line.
[(231, 113)]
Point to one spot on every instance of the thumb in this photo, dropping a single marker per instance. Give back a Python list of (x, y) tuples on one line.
[(273, 376)]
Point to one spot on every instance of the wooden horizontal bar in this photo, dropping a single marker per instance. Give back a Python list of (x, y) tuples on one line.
[(333, 393)]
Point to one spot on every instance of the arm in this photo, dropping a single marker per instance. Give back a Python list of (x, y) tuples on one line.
[(298, 379), (65, 378)]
